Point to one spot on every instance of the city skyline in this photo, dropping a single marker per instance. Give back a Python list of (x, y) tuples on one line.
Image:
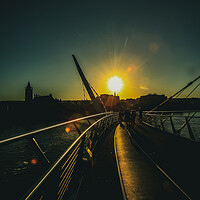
[(152, 46), (34, 94)]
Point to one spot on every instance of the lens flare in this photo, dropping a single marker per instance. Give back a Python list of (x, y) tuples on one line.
[(34, 161), (67, 129)]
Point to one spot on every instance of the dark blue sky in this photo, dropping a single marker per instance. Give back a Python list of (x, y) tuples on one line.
[(152, 45)]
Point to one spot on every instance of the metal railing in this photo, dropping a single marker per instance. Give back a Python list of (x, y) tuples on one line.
[(64, 176), (182, 123)]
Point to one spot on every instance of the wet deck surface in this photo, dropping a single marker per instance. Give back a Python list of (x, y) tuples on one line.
[(177, 156), (141, 179)]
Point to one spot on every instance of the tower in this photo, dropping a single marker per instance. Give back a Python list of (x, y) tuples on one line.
[(28, 92), (88, 87)]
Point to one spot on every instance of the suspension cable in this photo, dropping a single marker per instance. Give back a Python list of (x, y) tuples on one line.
[(180, 91), (98, 97), (84, 97), (193, 90), (179, 94)]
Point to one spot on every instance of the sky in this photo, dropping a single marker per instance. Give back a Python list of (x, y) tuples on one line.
[(153, 46)]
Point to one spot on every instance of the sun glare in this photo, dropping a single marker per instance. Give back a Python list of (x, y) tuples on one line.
[(115, 84)]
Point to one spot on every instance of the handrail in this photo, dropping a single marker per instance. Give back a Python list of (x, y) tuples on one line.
[(171, 111), (18, 137), (63, 155), (68, 171), (157, 118)]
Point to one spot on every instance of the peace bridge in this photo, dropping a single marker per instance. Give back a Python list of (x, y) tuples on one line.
[(113, 157)]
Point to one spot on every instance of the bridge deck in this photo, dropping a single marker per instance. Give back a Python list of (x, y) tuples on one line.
[(177, 156), (102, 180), (140, 178)]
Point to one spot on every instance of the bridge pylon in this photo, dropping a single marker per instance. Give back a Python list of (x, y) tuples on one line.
[(95, 101)]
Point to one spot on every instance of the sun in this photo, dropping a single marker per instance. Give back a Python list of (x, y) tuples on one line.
[(115, 84)]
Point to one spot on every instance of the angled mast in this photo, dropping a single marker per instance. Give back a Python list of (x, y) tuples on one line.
[(87, 86)]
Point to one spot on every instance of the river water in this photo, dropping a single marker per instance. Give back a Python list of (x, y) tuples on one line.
[(20, 166), (178, 120)]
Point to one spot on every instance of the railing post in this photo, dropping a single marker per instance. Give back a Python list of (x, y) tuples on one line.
[(77, 129), (172, 124), (104, 125), (149, 119), (162, 124), (39, 151), (155, 122), (95, 135), (89, 122), (100, 126), (82, 143), (111, 120), (189, 128)]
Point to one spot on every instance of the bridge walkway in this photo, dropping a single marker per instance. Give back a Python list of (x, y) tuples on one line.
[(177, 156), (140, 178)]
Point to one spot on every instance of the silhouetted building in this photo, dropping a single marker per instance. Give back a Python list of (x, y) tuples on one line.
[(183, 104), (150, 101), (109, 101), (44, 99), (28, 92)]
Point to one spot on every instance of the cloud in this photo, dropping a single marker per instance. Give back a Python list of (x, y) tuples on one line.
[(143, 87)]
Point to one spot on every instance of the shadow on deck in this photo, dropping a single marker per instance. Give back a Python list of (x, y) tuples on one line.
[(102, 180)]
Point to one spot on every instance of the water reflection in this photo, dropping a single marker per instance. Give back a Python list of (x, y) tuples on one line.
[(20, 165)]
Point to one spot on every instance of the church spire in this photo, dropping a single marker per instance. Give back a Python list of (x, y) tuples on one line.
[(28, 92)]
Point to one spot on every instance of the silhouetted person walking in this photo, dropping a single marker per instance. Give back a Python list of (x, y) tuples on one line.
[(127, 118), (133, 116), (140, 114)]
